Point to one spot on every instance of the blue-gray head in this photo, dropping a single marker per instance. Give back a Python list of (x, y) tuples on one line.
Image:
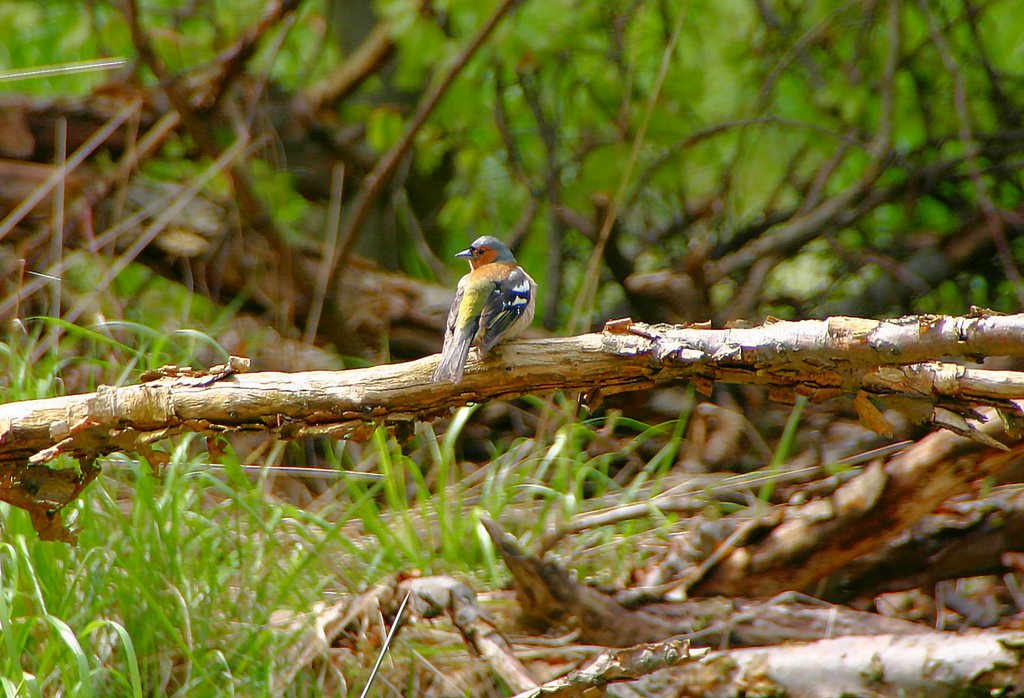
[(486, 249)]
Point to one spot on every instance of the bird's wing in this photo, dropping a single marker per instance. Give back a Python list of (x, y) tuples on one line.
[(453, 312), (509, 308), (462, 327)]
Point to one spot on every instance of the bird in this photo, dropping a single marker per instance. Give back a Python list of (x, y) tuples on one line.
[(493, 303)]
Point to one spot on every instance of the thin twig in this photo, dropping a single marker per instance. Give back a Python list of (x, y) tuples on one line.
[(513, 157), (552, 296), (61, 69), (57, 226)]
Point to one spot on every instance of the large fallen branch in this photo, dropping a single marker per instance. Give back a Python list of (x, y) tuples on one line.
[(893, 359), (815, 540), (549, 597), (963, 537), (935, 664)]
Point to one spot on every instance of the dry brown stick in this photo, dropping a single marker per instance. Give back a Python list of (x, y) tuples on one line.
[(371, 54), (548, 595), (385, 167)]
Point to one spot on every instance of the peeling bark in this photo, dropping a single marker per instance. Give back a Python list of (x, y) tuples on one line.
[(933, 665), (818, 539), (891, 360)]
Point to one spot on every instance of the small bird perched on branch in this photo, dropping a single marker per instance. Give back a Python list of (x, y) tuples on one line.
[(494, 302)]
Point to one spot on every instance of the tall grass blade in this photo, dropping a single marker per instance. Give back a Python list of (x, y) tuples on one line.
[(785, 448)]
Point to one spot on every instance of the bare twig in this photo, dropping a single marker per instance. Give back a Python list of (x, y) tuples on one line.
[(376, 48), (552, 296), (329, 247), (375, 181)]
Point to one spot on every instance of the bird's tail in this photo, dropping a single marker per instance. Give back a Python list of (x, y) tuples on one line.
[(453, 356)]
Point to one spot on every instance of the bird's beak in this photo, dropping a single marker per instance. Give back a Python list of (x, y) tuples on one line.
[(465, 254)]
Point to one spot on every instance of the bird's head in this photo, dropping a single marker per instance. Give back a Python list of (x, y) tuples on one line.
[(485, 250)]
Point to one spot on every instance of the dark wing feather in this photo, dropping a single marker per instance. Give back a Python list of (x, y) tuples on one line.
[(511, 302)]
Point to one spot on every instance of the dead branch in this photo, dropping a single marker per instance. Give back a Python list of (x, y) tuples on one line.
[(818, 358), (817, 539), (616, 666), (367, 59), (549, 597), (934, 664)]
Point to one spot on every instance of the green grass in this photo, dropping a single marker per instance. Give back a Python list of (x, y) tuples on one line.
[(179, 583), (176, 581)]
